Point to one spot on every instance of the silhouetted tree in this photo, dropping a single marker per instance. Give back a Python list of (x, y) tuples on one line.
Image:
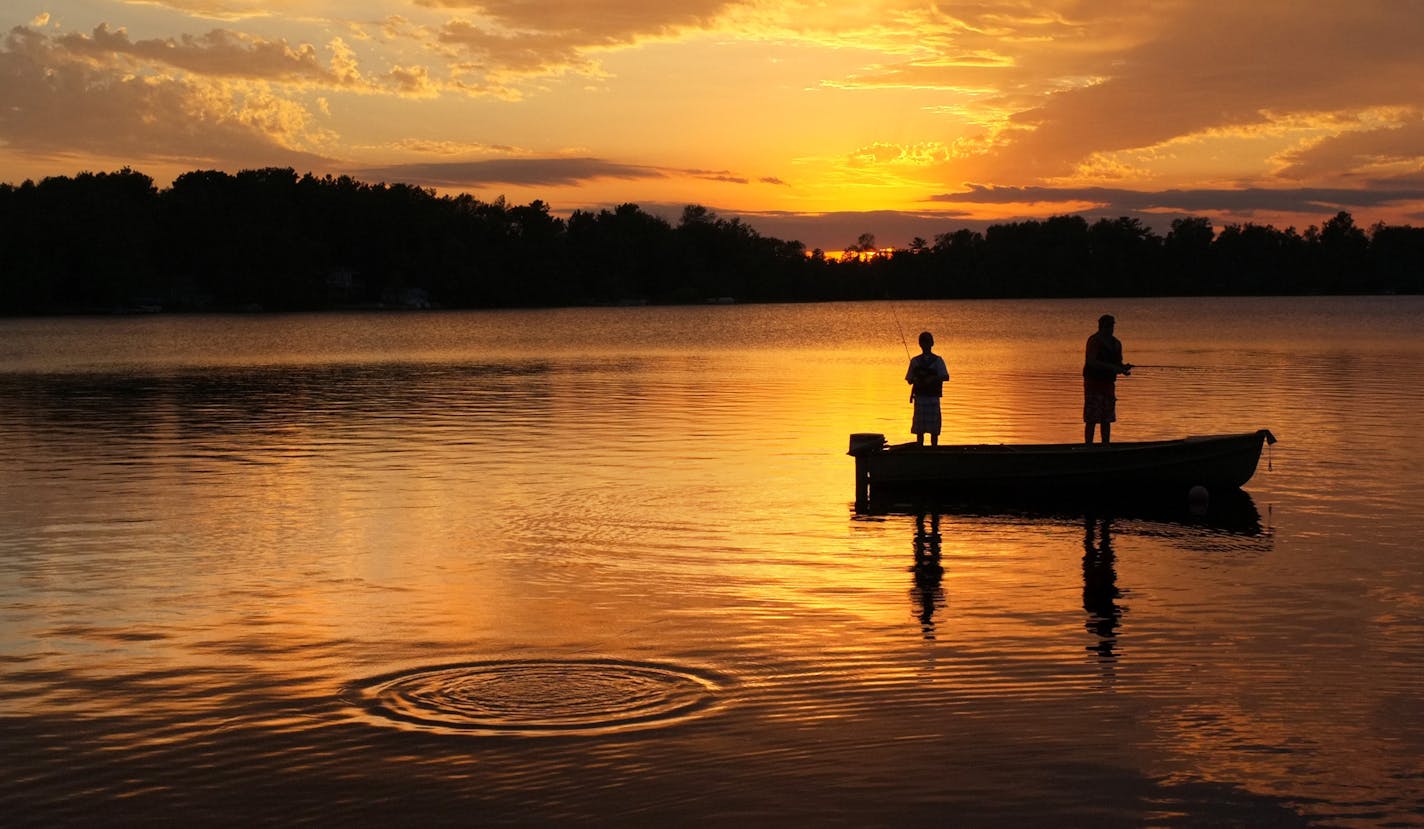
[(1124, 260), (1342, 252), (1397, 257), (271, 238), (1187, 255)]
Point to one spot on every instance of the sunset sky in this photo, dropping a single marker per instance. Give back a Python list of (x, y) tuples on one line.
[(815, 121)]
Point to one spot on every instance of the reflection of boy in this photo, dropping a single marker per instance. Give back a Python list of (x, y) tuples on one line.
[(927, 375)]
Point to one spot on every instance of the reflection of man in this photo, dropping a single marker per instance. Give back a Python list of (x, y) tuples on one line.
[(927, 375), (1100, 593), (1102, 363)]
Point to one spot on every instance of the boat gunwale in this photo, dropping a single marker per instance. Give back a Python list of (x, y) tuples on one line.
[(1066, 448)]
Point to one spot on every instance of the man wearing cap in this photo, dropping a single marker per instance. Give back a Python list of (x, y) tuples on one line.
[(1102, 363)]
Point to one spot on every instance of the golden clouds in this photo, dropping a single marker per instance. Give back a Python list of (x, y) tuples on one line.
[(434, 147), (1383, 144), (497, 54), (617, 20), (926, 154), (223, 53), (87, 95), (875, 105), (214, 9), (344, 66), (1206, 76), (219, 53), (546, 172), (497, 47), (412, 81)]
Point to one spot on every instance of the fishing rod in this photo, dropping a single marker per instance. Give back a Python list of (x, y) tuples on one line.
[(903, 341)]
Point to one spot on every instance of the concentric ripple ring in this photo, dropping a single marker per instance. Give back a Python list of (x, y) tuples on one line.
[(539, 697)]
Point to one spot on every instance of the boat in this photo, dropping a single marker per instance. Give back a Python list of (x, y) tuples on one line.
[(1075, 471)]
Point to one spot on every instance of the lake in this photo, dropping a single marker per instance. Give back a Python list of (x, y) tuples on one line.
[(602, 566)]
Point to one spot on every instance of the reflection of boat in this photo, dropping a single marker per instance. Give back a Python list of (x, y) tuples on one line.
[(1231, 518), (1219, 463), (1229, 524)]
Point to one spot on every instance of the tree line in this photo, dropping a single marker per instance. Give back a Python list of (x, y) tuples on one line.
[(275, 240)]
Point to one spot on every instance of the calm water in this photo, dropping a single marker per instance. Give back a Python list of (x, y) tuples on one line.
[(601, 565)]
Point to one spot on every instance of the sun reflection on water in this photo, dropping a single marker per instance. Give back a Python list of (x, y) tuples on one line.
[(204, 558)]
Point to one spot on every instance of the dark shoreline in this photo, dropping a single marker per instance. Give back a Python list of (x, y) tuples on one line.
[(274, 240), (70, 313)]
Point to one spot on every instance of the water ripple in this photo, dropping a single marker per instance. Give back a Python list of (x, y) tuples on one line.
[(567, 697)]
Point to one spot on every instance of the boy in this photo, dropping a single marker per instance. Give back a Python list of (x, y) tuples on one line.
[(927, 375)]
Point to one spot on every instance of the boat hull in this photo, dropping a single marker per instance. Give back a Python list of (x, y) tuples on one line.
[(1216, 462)]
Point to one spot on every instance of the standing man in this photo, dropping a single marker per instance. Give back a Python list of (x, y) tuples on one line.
[(1102, 363), (927, 375)]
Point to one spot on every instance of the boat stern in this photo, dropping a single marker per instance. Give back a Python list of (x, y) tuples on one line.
[(862, 443), (862, 446)]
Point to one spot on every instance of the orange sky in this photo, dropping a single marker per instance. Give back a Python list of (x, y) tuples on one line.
[(816, 121)]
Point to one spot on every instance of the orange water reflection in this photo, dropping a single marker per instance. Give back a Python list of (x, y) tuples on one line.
[(201, 558)]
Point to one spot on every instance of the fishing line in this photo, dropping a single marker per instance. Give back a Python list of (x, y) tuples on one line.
[(1136, 366), (899, 328)]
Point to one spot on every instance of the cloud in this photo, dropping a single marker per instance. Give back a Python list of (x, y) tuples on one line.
[(1245, 200), (56, 102), (222, 53), (598, 20), (1198, 70), (412, 82), (528, 171), (546, 172), (219, 53), (1035, 92), (724, 176), (497, 55), (213, 9), (1400, 144), (880, 154), (497, 41), (441, 147), (503, 49)]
